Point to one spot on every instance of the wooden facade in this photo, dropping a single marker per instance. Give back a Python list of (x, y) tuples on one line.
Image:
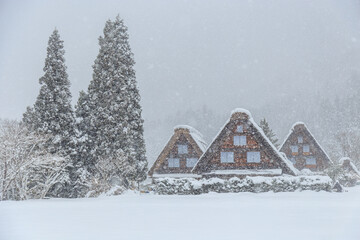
[(242, 149), (302, 149), (180, 154)]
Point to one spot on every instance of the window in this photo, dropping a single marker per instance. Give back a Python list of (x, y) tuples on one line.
[(306, 148), (190, 162), (182, 149), (227, 157), (253, 157), (240, 128), (294, 149), (310, 161), (300, 139), (240, 140), (173, 162), (293, 160)]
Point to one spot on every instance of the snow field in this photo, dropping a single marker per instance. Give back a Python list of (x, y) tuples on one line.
[(297, 215)]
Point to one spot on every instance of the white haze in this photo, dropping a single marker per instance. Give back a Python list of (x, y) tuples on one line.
[(191, 54)]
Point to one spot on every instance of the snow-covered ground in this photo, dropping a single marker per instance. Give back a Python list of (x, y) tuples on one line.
[(299, 215)]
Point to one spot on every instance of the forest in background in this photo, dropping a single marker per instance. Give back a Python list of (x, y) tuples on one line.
[(335, 122), (300, 64)]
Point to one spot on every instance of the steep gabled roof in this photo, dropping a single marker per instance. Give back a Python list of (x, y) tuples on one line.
[(302, 126), (346, 162), (195, 134), (192, 135), (243, 113)]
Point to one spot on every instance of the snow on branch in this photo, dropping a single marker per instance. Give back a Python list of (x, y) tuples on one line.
[(27, 170)]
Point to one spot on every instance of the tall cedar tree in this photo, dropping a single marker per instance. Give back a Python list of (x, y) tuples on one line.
[(52, 113), (109, 113), (269, 132)]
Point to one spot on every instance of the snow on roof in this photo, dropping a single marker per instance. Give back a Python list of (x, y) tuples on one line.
[(247, 172), (176, 175), (343, 159), (296, 124), (308, 172), (241, 110), (195, 134), (236, 110), (282, 157), (184, 127), (290, 132), (354, 168), (317, 143), (352, 165)]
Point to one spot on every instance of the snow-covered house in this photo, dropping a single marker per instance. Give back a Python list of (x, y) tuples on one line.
[(302, 149), (348, 166), (180, 154), (350, 173), (242, 149)]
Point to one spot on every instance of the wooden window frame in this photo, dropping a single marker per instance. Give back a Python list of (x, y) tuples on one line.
[(242, 128), (187, 161), (221, 157), (182, 146), (173, 165), (247, 157), (241, 144)]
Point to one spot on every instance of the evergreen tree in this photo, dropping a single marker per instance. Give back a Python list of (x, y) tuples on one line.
[(52, 113), (82, 110), (110, 112), (269, 132)]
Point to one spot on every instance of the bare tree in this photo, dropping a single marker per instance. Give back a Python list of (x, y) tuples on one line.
[(27, 170), (111, 174), (347, 143)]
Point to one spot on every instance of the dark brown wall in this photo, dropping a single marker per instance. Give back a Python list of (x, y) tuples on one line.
[(163, 168), (315, 151), (255, 142), (240, 152)]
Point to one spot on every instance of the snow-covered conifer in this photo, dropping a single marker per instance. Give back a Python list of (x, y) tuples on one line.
[(52, 112), (269, 132), (110, 112)]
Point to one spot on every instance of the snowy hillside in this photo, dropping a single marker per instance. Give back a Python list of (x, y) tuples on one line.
[(299, 215)]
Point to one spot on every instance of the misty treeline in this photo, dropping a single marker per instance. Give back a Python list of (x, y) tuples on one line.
[(335, 121), (56, 151)]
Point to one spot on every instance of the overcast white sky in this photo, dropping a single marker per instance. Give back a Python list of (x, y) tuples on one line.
[(224, 54)]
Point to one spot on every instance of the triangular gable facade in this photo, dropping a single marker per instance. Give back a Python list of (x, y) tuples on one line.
[(302, 149), (242, 149), (180, 154), (349, 167)]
